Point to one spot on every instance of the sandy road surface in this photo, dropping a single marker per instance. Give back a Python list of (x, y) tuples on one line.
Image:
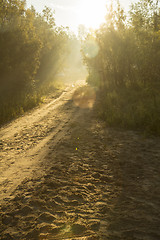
[(66, 176), (24, 141)]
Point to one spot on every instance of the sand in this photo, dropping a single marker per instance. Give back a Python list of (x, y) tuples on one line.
[(65, 175)]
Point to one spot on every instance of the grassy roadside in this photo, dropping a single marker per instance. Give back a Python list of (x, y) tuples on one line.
[(129, 108), (13, 107)]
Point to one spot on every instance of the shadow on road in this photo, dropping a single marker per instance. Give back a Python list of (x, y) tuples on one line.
[(97, 183)]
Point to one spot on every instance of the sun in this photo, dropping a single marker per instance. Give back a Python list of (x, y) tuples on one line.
[(91, 13)]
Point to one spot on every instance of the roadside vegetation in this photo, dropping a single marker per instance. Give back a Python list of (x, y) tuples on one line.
[(33, 54), (123, 60)]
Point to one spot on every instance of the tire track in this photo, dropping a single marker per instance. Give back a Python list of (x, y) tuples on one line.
[(26, 144)]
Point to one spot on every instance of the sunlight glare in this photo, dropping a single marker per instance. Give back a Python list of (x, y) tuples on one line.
[(90, 48), (84, 98), (91, 13)]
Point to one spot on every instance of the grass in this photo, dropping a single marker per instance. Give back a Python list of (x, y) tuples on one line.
[(18, 104), (130, 108)]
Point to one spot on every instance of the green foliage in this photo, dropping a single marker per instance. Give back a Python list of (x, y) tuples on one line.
[(32, 51), (131, 108), (126, 67)]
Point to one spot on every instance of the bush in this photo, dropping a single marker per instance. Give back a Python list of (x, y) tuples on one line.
[(130, 109)]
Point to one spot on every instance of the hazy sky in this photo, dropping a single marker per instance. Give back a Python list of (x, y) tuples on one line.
[(74, 12)]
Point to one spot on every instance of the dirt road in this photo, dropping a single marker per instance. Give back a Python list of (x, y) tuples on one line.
[(64, 175)]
